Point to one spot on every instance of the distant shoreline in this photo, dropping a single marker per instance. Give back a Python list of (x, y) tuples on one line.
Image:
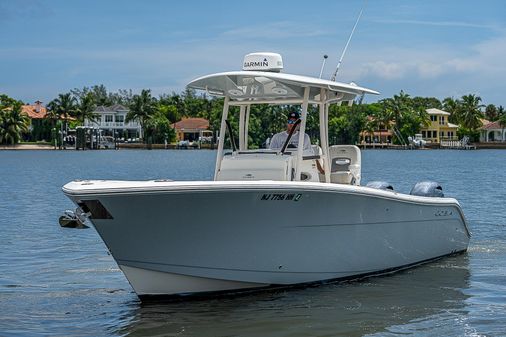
[(27, 147), (121, 146), (21, 147)]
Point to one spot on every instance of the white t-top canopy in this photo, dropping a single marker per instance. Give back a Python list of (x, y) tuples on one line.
[(261, 85), (245, 88)]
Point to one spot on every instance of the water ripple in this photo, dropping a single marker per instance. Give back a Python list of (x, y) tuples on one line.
[(62, 282)]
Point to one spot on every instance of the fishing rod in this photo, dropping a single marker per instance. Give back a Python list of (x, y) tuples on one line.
[(333, 78)]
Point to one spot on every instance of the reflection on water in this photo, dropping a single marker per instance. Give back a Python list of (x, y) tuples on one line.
[(371, 306)]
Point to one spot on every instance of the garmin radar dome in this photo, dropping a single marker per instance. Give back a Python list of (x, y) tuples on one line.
[(263, 61)]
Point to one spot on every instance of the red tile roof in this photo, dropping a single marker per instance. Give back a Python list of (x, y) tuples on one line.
[(492, 125), (377, 133), (31, 111), (191, 124)]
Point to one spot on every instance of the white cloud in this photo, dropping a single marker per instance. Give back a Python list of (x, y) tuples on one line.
[(463, 65), (430, 69), (484, 58), (385, 69), (440, 69), (439, 23), (490, 55), (274, 31)]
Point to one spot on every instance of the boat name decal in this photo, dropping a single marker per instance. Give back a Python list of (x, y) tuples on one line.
[(443, 212), (263, 63), (281, 196)]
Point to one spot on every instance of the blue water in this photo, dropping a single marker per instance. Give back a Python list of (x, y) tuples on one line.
[(56, 281)]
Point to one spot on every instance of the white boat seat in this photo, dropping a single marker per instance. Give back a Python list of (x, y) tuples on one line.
[(340, 171), (340, 164), (255, 165), (344, 177), (345, 164)]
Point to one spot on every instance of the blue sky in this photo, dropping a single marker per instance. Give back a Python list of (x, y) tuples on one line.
[(427, 48)]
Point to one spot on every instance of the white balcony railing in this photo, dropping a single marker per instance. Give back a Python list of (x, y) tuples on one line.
[(101, 124)]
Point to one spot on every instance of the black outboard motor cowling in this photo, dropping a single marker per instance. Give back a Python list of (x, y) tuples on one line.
[(427, 189), (381, 185)]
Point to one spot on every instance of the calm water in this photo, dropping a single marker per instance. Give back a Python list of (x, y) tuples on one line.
[(56, 281)]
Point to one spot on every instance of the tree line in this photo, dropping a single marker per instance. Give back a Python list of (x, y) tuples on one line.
[(402, 113), (13, 123)]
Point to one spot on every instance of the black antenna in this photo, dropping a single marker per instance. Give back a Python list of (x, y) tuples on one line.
[(325, 57), (333, 78), (231, 135), (297, 122)]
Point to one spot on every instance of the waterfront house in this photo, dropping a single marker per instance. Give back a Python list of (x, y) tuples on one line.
[(192, 129), (38, 126), (111, 122), (492, 132), (381, 134), (439, 128)]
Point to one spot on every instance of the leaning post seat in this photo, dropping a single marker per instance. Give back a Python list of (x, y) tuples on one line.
[(256, 165), (345, 164)]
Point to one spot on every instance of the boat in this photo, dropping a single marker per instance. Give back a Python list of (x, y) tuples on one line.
[(269, 218), (417, 141)]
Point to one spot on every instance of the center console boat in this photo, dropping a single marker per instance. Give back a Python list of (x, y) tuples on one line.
[(269, 218)]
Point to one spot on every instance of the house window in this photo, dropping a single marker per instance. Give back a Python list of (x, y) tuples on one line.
[(108, 118), (423, 134), (450, 134), (119, 118), (434, 134), (433, 118), (441, 120)]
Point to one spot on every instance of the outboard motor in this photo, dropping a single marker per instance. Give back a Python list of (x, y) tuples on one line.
[(381, 185), (427, 189)]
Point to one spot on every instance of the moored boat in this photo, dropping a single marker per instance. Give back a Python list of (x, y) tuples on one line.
[(270, 217)]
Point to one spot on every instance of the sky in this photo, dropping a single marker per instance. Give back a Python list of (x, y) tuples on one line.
[(426, 48)]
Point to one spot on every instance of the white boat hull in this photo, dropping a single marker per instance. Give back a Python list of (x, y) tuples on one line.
[(198, 237)]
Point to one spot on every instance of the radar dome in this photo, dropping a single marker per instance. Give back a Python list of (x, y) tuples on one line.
[(263, 62)]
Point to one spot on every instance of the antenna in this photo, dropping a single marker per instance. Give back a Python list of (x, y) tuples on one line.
[(347, 43), (325, 57)]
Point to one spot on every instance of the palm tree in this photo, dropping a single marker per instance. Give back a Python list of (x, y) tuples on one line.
[(399, 105), (500, 111), (491, 112), (86, 107), (63, 106), (424, 118), (13, 123), (502, 123), (453, 107), (53, 116), (470, 110), (369, 128), (395, 109), (142, 108), (384, 120), (169, 111)]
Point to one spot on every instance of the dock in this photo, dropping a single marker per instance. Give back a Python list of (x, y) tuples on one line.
[(462, 144), (365, 146)]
